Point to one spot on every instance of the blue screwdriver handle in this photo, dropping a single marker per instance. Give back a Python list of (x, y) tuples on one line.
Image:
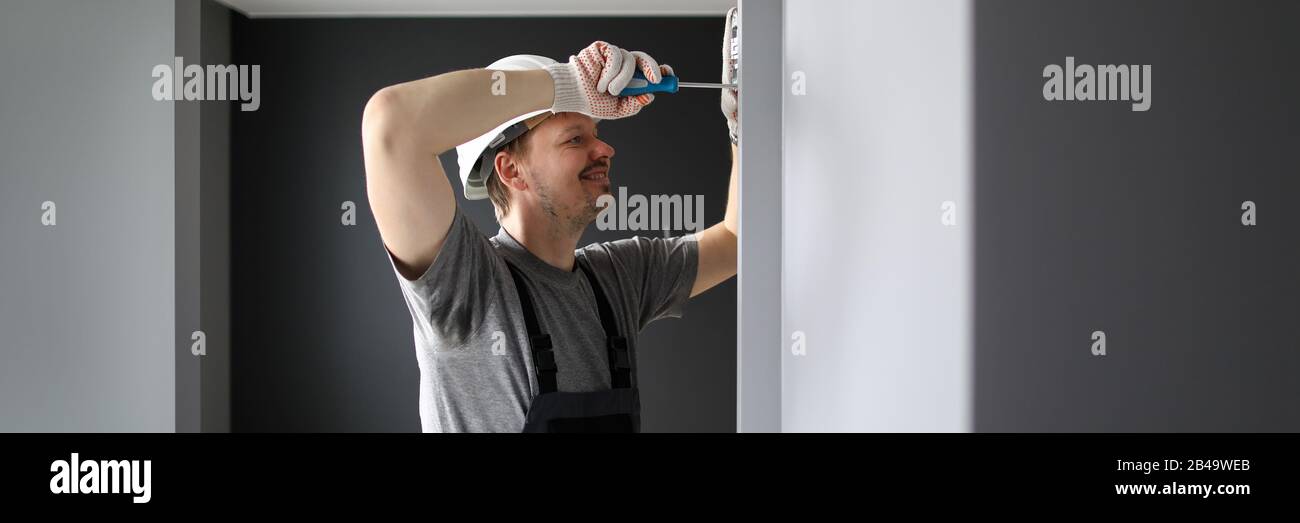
[(639, 85)]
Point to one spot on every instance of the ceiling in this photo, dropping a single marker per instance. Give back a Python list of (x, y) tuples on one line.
[(385, 8)]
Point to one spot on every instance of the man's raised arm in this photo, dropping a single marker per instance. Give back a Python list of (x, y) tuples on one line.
[(405, 127)]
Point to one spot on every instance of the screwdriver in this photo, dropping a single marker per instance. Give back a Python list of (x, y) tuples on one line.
[(669, 84)]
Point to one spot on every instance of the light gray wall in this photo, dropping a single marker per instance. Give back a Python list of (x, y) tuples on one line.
[(87, 310), (879, 288)]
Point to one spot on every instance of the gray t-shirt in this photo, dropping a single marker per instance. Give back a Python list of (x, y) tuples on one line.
[(476, 367)]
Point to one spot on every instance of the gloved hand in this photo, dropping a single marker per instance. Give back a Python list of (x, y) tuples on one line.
[(730, 97), (590, 81)]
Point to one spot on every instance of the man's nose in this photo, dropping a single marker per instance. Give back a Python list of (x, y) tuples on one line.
[(603, 149)]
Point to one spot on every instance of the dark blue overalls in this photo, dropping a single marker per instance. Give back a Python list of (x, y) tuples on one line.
[(615, 410)]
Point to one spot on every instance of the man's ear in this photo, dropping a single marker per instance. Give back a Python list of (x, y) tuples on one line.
[(508, 170)]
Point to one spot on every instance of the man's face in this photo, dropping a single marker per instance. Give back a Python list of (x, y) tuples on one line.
[(567, 169)]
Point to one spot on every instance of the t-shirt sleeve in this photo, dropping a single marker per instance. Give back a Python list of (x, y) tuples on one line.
[(448, 300), (660, 270)]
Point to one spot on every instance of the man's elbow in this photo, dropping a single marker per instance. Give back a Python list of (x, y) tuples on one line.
[(380, 125)]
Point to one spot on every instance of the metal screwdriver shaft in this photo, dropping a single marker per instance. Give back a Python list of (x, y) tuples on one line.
[(706, 85)]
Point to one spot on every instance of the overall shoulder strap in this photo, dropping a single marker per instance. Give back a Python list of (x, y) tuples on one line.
[(620, 364), (539, 342)]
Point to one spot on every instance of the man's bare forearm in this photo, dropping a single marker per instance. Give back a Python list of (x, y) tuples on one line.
[(438, 113), (718, 244)]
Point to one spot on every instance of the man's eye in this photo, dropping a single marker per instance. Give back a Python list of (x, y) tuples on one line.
[(575, 139)]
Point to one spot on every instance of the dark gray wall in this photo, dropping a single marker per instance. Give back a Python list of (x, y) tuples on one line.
[(1093, 217), (202, 232), (187, 143), (322, 339), (214, 226)]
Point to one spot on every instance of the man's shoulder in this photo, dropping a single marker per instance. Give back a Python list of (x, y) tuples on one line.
[(608, 251), (634, 246)]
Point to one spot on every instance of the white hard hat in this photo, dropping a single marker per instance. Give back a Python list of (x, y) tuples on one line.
[(475, 167)]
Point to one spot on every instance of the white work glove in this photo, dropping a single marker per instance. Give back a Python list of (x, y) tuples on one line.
[(590, 81), (730, 97)]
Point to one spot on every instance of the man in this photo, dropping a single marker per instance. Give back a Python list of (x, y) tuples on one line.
[(524, 332)]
